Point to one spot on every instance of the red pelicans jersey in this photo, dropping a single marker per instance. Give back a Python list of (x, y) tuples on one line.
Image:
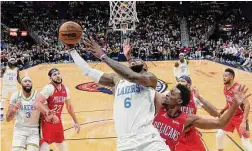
[(230, 98), (191, 108), (170, 129)]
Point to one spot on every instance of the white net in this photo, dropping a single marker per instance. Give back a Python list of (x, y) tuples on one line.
[(122, 12)]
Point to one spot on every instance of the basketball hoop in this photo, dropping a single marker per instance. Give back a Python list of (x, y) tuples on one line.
[(123, 12)]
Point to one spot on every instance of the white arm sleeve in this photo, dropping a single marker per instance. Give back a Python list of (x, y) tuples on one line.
[(86, 70), (188, 71), (47, 91)]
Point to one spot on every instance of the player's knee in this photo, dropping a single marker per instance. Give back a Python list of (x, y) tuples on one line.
[(17, 148), (32, 147)]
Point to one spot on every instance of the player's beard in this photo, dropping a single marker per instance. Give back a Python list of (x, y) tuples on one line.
[(27, 88), (137, 68), (57, 82)]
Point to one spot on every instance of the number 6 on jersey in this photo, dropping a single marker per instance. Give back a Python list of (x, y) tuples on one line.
[(127, 103)]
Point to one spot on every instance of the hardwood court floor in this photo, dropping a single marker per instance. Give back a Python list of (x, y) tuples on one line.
[(94, 110)]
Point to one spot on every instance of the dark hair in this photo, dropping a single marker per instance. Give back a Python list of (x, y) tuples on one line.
[(185, 94), (231, 71), (52, 71)]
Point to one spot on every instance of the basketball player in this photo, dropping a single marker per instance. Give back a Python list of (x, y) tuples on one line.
[(9, 74), (181, 67), (240, 120), (55, 95), (26, 131), (191, 139), (134, 100), (171, 122)]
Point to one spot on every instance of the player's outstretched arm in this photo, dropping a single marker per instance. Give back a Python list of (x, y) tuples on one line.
[(39, 104), (207, 106), (204, 123), (148, 79), (96, 75)]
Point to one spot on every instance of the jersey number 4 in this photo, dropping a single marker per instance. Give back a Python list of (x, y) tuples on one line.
[(127, 103)]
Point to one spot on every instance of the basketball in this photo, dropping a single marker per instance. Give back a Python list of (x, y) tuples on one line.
[(70, 32)]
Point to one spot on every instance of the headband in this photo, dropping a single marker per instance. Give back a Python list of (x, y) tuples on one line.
[(188, 79), (26, 78), (52, 71)]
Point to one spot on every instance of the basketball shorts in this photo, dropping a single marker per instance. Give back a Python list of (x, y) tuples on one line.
[(23, 137), (235, 123), (52, 133), (146, 139), (191, 141)]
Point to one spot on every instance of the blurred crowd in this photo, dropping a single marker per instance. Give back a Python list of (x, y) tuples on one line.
[(156, 37)]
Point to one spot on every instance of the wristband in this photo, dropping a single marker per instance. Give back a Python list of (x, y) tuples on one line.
[(102, 57)]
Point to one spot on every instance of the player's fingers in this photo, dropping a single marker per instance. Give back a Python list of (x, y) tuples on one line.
[(242, 88), (245, 91), (87, 43), (247, 96), (239, 88)]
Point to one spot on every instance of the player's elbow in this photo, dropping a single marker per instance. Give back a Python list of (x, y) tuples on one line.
[(219, 124)]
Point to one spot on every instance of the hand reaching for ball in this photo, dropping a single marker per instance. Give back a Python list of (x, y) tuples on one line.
[(92, 46)]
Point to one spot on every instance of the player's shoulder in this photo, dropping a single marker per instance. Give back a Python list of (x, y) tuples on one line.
[(16, 94), (48, 87)]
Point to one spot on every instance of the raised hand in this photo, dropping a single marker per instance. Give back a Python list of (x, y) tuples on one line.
[(92, 45), (195, 92), (240, 94), (51, 117), (16, 106), (127, 48)]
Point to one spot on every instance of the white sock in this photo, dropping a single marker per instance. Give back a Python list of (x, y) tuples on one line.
[(44, 147), (219, 139), (246, 143)]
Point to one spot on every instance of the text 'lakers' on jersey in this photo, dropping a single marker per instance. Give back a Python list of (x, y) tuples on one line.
[(170, 129), (133, 107), (27, 115), (10, 77)]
